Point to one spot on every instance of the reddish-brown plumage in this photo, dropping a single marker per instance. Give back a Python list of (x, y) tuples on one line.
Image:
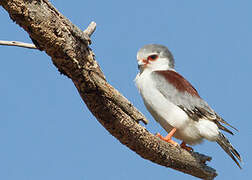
[(178, 82)]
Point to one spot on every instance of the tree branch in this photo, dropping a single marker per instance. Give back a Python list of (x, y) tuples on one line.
[(89, 31), (68, 47), (18, 44)]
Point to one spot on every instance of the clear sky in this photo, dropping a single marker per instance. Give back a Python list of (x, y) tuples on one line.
[(47, 132)]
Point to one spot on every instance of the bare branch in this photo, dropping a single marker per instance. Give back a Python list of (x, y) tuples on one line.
[(18, 44), (68, 48), (90, 29)]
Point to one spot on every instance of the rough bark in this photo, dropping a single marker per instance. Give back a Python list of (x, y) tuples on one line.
[(68, 47)]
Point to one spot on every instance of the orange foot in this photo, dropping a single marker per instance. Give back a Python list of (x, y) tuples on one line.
[(168, 137), (184, 146)]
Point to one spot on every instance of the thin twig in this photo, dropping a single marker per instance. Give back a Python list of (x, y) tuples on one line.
[(18, 44), (89, 31)]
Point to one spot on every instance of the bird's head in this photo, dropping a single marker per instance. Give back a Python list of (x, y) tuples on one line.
[(154, 57)]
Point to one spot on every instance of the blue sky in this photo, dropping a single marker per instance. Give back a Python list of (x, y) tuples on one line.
[(46, 131)]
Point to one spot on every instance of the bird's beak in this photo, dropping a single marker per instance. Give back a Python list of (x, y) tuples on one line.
[(141, 64)]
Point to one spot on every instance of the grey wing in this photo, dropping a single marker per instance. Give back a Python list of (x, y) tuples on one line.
[(195, 107), (199, 113)]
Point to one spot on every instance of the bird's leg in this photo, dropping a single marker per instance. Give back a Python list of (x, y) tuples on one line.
[(184, 146), (168, 137)]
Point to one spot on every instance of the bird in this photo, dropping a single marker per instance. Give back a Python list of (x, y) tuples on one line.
[(176, 105)]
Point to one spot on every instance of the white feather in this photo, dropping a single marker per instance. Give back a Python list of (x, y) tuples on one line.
[(208, 129)]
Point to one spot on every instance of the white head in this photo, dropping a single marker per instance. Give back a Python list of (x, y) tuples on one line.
[(154, 57)]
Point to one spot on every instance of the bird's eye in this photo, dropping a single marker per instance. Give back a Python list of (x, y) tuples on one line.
[(153, 57)]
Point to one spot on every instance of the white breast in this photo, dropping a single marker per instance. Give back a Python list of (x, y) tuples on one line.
[(164, 111)]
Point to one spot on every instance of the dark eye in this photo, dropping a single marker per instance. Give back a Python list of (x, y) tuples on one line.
[(153, 57)]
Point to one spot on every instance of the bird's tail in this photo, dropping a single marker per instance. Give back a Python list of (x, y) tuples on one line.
[(228, 148)]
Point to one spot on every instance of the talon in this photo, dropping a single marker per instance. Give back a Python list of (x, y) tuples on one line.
[(184, 146), (168, 137)]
